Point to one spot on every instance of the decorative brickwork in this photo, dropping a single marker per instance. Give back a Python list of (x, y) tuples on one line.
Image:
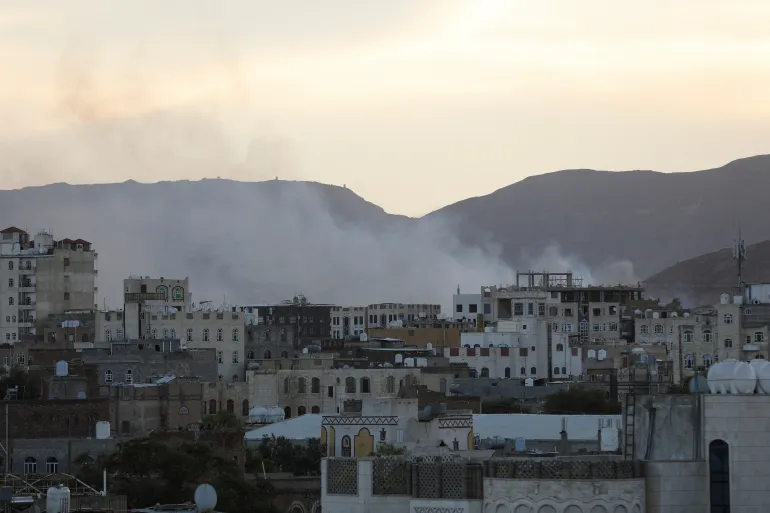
[(342, 476), (391, 476)]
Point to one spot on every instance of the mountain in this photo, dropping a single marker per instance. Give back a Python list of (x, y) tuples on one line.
[(700, 280), (265, 241)]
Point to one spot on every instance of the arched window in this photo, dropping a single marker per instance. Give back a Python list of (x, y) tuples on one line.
[(346, 449), (689, 361), (206, 335), (707, 359), (119, 334), (564, 371), (728, 342), (760, 356), (172, 334), (365, 389), (707, 337), (484, 372), (129, 376), (759, 337), (287, 412), (523, 371), (51, 465), (687, 336), (659, 329), (189, 334), (249, 354), (644, 329), (719, 476), (230, 406), (220, 335), (245, 407), (235, 334), (728, 318), (315, 386), (165, 333), (267, 355), (442, 386), (284, 354), (177, 294), (212, 407), (10, 282), (30, 464), (559, 348), (533, 370), (154, 334), (555, 371), (390, 385), (108, 376), (507, 372), (162, 289), (315, 409), (27, 300), (286, 385), (350, 385), (10, 266), (302, 387), (301, 411)]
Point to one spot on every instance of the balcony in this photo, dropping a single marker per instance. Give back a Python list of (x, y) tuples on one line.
[(27, 306), (132, 297), (26, 286)]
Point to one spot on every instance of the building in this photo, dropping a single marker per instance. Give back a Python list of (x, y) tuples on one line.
[(65, 418), (284, 330), (348, 321), (435, 332), (167, 403), (231, 397), (143, 361), (382, 314), (40, 276), (467, 307)]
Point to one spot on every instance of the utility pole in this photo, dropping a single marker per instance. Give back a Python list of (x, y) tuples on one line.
[(739, 255)]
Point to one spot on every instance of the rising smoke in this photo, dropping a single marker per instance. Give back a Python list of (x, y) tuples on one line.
[(238, 242)]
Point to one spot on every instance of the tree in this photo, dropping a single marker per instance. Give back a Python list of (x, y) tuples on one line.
[(279, 454), (389, 450), (150, 471), (580, 400)]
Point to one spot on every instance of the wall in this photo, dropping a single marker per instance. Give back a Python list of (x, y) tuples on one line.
[(466, 306), (672, 429), (54, 419), (66, 451), (55, 281), (226, 396), (421, 337), (677, 487)]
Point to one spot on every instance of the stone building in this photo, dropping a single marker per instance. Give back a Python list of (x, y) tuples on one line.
[(66, 418), (56, 455), (284, 330), (232, 397), (142, 361)]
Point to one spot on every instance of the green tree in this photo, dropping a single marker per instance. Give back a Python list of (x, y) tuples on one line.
[(279, 454), (580, 400), (389, 450)]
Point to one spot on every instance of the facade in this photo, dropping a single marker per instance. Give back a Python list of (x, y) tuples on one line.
[(144, 361), (382, 314), (348, 321), (468, 307), (284, 330), (232, 397), (436, 333), (54, 418), (168, 403), (56, 455), (40, 276)]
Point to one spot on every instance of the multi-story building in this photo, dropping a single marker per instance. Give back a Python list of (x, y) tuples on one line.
[(40, 276), (382, 314), (467, 307), (348, 321), (284, 330)]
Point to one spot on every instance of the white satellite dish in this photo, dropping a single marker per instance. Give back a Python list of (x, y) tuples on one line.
[(205, 498)]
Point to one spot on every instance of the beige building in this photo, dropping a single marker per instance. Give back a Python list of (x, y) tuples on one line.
[(40, 276), (348, 321), (232, 397)]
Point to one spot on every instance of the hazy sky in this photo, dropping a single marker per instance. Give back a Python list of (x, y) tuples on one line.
[(413, 104)]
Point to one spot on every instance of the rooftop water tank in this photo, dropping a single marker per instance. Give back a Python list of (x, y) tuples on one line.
[(62, 368), (57, 499), (762, 370), (732, 377)]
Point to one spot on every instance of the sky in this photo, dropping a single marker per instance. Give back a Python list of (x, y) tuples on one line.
[(413, 104)]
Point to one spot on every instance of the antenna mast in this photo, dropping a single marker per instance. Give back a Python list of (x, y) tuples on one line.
[(739, 255)]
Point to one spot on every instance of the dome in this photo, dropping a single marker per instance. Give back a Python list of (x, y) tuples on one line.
[(732, 377), (762, 370)]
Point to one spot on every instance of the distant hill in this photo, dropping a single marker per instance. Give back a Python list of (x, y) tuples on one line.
[(701, 280), (265, 241)]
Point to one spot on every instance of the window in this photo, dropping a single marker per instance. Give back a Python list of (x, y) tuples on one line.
[(390, 385), (459, 308), (220, 378), (154, 334), (728, 342), (346, 447), (568, 328), (555, 371), (707, 359), (541, 309), (554, 327), (559, 348), (473, 308), (10, 282), (507, 372), (205, 335), (235, 334), (249, 354), (302, 386), (184, 410), (51, 465), (10, 301), (687, 336), (220, 357), (365, 388), (350, 385), (659, 329), (287, 412), (530, 308), (284, 354), (162, 289), (212, 407), (189, 334), (235, 356), (747, 311), (644, 329), (129, 376), (230, 406), (613, 326), (108, 335), (533, 370), (245, 407), (30, 464), (518, 309), (484, 372), (108, 376), (487, 308), (759, 337), (719, 476), (689, 361), (315, 386), (235, 378), (29, 265), (315, 409), (707, 336), (301, 411), (523, 371), (177, 294), (728, 318), (66, 296), (220, 335), (66, 262), (267, 355), (20, 358), (564, 371), (119, 334), (165, 333), (330, 391), (596, 327), (286, 384)]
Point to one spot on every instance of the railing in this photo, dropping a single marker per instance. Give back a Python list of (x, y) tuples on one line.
[(145, 296)]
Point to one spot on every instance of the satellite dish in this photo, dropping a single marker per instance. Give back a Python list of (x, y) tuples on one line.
[(205, 498)]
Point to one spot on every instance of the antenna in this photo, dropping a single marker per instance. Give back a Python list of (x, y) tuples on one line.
[(739, 255)]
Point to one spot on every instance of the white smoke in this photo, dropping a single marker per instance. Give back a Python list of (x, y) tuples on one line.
[(612, 272)]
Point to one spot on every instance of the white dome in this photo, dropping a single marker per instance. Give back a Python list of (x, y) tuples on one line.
[(732, 377), (762, 370)]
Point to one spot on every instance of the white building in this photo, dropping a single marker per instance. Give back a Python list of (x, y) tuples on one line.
[(348, 321), (468, 306), (41, 276)]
